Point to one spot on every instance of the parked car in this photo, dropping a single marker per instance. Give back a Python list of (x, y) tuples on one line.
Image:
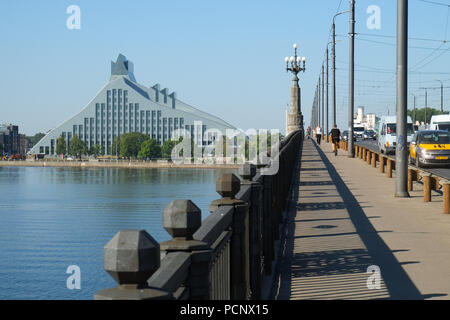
[(369, 134), (430, 147)]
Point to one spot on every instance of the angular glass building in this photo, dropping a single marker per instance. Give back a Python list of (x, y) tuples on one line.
[(123, 106)]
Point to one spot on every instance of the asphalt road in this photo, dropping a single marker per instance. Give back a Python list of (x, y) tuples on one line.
[(373, 145)]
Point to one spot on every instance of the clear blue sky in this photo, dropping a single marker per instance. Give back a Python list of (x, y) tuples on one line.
[(223, 57)]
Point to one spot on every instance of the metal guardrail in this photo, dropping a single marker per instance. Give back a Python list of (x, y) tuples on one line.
[(223, 257), (387, 165)]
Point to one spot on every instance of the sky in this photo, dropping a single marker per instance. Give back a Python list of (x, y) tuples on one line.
[(223, 57)]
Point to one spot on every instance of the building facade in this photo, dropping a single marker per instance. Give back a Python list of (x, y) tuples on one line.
[(124, 106), (368, 120), (10, 139)]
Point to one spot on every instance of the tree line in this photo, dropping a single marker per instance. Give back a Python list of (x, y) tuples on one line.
[(419, 114), (133, 145), (136, 145)]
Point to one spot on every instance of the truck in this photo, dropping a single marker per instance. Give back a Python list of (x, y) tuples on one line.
[(387, 138), (440, 122)]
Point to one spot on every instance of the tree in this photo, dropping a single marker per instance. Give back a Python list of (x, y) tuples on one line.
[(36, 138), (77, 147), (115, 147), (419, 114), (96, 150), (130, 144), (166, 149), (61, 147), (150, 149)]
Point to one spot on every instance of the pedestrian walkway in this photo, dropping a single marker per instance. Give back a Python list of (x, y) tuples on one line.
[(343, 224)]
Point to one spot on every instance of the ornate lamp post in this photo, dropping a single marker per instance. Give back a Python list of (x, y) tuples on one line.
[(294, 119)]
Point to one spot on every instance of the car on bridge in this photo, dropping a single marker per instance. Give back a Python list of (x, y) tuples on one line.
[(358, 130), (369, 135), (430, 148), (440, 122), (345, 136), (387, 139)]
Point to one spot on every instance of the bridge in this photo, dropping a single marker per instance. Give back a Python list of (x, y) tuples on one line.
[(323, 227)]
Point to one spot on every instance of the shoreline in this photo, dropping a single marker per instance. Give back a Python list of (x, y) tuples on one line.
[(134, 165)]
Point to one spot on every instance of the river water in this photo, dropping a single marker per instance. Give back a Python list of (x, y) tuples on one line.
[(52, 218)]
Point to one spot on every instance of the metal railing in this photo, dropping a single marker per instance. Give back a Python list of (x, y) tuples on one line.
[(223, 257)]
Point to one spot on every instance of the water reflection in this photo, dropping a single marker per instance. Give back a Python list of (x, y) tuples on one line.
[(51, 218)]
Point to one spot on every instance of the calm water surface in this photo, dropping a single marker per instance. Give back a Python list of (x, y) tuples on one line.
[(51, 218)]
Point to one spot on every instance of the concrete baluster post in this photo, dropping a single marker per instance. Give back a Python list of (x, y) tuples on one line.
[(389, 168), (446, 195), (276, 205), (131, 257), (426, 178), (181, 218), (268, 243), (228, 185), (382, 163), (247, 172), (411, 179)]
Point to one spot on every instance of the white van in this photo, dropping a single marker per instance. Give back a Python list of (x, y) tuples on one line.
[(358, 130), (387, 138), (441, 122)]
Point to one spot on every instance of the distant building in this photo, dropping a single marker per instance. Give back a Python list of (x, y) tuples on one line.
[(124, 106), (23, 144), (10, 139), (368, 120)]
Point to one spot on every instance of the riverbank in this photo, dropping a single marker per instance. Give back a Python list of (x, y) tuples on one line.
[(114, 164)]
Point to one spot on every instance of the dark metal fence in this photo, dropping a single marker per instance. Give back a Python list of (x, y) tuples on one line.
[(223, 257)]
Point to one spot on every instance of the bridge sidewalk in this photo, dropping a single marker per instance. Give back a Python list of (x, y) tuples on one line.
[(343, 218)]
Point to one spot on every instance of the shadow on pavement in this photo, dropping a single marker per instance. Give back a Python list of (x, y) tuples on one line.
[(398, 283)]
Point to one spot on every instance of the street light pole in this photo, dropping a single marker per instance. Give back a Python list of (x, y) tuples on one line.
[(401, 162), (323, 102), (295, 117), (426, 105), (326, 86), (414, 108), (351, 95), (442, 96), (318, 103), (333, 64)]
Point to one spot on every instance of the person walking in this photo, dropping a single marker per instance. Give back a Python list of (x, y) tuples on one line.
[(308, 132), (335, 138), (319, 134)]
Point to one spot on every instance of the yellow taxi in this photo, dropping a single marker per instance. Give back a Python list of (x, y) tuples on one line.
[(430, 147)]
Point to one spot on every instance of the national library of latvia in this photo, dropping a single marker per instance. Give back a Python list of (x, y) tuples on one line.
[(123, 106)]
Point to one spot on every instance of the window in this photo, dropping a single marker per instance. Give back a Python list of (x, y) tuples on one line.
[(435, 138), (392, 129)]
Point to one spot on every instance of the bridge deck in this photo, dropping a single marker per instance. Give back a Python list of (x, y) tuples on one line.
[(343, 218)]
